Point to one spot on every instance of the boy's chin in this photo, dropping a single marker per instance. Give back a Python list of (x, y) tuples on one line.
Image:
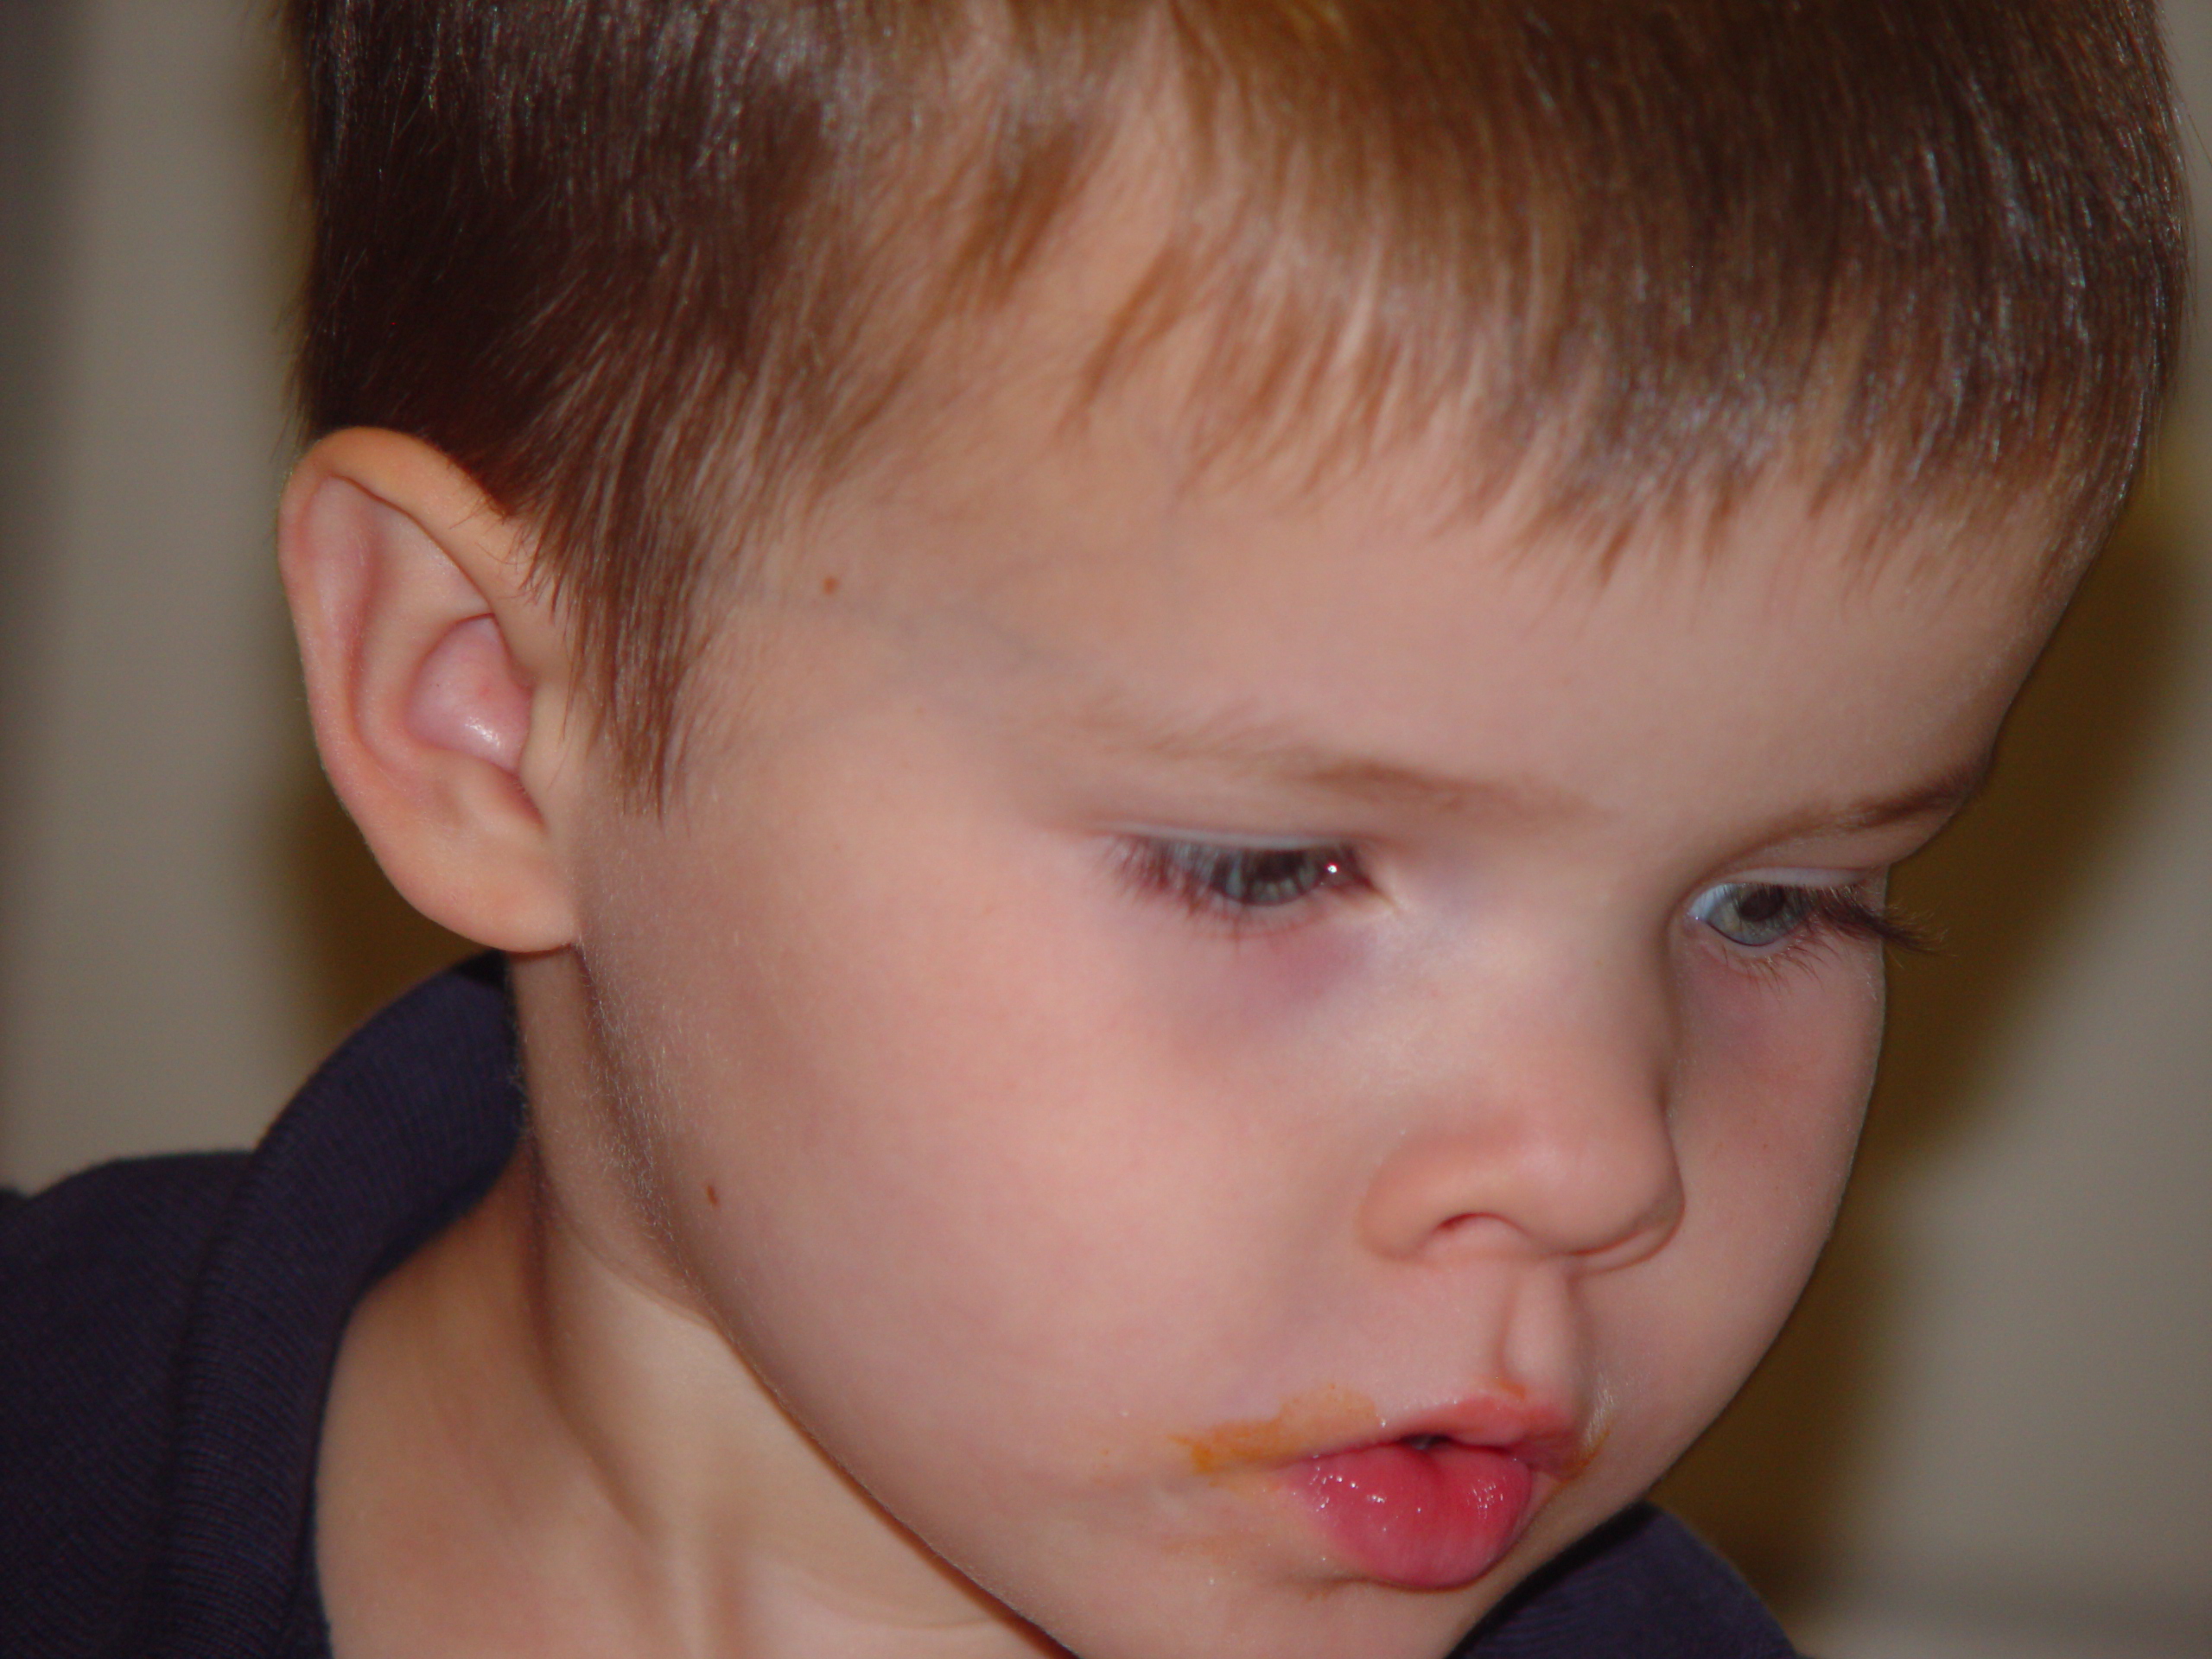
[(1190, 1605), (1282, 1590)]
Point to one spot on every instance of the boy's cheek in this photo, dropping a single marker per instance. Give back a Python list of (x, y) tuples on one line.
[(941, 1130), (1766, 1115), (1773, 1084)]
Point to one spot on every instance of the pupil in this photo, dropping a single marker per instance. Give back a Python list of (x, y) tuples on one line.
[(1272, 876), (1765, 905), (1765, 913)]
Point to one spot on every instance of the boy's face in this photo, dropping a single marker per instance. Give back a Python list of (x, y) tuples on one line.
[(1252, 1066)]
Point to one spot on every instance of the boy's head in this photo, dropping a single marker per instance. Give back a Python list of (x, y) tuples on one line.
[(1189, 715), (652, 271)]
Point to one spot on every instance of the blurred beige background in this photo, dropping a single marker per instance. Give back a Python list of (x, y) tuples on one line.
[(1989, 1433)]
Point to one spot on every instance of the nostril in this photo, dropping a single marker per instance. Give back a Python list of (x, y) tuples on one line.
[(1583, 1173)]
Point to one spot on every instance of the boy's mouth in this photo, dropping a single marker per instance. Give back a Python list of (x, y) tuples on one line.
[(1424, 1511), (1434, 1505)]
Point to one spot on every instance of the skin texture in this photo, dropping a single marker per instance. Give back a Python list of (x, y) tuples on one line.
[(937, 1238)]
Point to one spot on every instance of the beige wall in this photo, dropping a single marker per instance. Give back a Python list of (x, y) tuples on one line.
[(1990, 1430), (179, 931)]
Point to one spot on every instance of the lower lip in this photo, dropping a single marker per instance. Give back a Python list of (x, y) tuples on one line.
[(1421, 1517)]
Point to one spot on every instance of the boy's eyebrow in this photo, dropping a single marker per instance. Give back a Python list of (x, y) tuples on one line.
[(1262, 750), (1939, 797)]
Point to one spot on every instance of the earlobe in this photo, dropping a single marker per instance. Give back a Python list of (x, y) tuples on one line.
[(437, 683)]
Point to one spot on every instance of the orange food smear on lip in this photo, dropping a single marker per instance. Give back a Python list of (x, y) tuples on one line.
[(1328, 1415)]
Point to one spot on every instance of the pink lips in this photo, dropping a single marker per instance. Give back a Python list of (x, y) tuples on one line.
[(1422, 1513)]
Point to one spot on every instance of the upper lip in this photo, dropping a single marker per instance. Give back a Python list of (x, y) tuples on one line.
[(1540, 1429), (1543, 1436)]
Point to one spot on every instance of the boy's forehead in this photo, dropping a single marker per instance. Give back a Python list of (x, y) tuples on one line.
[(1021, 464), (1263, 620)]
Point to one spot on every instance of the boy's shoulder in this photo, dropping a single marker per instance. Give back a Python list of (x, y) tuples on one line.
[(167, 1327), (96, 1286), (1642, 1587)]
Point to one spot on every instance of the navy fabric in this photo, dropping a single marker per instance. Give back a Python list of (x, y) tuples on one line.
[(1640, 1587), (168, 1328)]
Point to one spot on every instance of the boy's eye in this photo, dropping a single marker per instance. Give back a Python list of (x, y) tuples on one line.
[(1755, 913), (1208, 876)]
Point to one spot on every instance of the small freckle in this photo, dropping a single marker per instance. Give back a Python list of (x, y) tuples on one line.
[(714, 1198), (830, 586)]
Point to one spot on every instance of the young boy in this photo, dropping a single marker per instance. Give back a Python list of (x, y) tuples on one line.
[(1182, 719)]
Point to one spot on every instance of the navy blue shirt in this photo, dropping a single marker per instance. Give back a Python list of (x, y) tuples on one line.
[(168, 1328)]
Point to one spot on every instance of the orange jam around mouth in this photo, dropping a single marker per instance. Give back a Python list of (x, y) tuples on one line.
[(1330, 1415)]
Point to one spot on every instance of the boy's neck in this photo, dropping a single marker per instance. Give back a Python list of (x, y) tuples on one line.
[(530, 1450)]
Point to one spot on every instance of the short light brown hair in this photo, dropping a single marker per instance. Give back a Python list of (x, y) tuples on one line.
[(630, 262)]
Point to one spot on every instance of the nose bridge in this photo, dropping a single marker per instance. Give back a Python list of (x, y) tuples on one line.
[(1537, 1111)]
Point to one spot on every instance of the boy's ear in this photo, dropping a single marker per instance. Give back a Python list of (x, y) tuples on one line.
[(437, 679)]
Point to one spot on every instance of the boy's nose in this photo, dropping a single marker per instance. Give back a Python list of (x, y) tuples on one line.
[(1546, 1131)]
